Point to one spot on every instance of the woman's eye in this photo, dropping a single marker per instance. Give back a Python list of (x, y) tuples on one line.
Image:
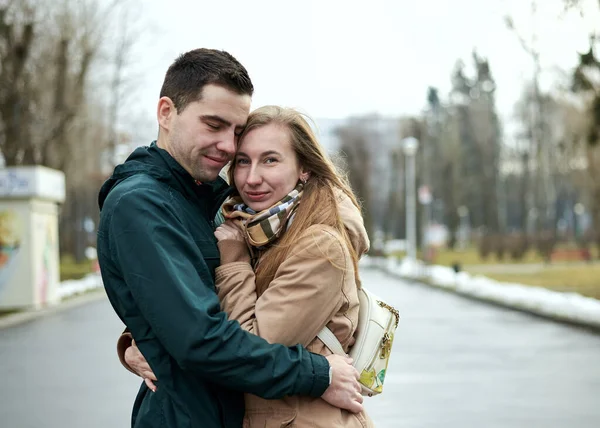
[(241, 161), (270, 160)]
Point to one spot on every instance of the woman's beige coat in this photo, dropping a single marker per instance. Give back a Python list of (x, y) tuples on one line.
[(315, 286)]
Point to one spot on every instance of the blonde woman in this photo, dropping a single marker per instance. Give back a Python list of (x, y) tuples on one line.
[(289, 251)]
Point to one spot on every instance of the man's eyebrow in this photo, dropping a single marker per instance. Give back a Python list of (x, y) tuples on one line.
[(216, 119), (262, 155)]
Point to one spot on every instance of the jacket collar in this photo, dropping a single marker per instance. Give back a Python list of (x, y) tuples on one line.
[(158, 163)]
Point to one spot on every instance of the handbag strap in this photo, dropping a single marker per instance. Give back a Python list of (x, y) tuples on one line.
[(329, 339)]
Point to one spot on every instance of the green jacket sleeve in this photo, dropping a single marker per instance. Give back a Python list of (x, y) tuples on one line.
[(158, 260)]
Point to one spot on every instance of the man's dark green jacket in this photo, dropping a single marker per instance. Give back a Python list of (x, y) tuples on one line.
[(158, 254)]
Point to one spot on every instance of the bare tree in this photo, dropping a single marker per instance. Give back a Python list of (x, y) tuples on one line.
[(51, 111), (453, 186), (472, 113), (542, 191), (125, 40), (576, 4), (487, 134), (17, 27), (354, 146), (586, 85), (394, 221), (44, 73)]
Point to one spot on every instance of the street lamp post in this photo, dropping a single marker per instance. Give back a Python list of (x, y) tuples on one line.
[(410, 146), (463, 226), (532, 216), (579, 210)]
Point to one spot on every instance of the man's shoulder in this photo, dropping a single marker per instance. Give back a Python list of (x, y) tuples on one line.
[(138, 187), (138, 182)]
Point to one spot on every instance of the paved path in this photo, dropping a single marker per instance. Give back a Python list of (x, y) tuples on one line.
[(459, 363), (456, 363), (61, 370)]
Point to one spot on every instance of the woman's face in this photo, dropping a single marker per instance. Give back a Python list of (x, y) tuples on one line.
[(266, 167)]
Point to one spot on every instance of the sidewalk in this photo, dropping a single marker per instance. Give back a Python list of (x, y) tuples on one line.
[(73, 293)]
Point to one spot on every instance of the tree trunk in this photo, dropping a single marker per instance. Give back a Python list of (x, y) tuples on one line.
[(450, 206)]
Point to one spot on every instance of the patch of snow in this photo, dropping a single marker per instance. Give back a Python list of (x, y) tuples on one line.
[(72, 287), (571, 307)]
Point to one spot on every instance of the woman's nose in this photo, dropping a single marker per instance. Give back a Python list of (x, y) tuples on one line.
[(254, 176)]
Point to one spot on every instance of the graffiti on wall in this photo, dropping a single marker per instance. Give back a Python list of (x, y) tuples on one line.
[(11, 235), (46, 261)]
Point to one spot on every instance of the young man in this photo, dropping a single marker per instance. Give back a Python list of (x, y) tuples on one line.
[(157, 254)]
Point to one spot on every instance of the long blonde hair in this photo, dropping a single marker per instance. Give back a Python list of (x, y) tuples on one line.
[(318, 205)]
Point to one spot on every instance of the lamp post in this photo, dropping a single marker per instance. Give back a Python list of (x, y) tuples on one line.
[(463, 215), (410, 146), (532, 216), (579, 210)]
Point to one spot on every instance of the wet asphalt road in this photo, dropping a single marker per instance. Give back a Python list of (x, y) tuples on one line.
[(459, 363), (456, 363)]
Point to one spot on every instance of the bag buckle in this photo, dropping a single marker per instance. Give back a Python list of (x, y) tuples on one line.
[(386, 346)]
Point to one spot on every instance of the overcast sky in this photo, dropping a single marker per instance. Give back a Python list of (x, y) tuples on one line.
[(335, 58)]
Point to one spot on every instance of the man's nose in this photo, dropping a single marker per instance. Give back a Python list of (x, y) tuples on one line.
[(228, 144)]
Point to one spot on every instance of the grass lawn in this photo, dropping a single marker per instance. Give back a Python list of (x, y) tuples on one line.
[(579, 277), (70, 269), (470, 256)]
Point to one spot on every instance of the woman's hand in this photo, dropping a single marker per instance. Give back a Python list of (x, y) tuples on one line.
[(229, 231), (137, 362)]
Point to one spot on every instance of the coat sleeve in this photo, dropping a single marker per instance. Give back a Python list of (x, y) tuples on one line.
[(159, 262), (302, 298), (125, 340)]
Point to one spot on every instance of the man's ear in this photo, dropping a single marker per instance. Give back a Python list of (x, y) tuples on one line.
[(165, 112)]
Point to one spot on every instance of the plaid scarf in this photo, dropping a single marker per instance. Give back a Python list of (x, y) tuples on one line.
[(265, 226)]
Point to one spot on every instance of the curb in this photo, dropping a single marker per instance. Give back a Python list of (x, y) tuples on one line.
[(21, 317)]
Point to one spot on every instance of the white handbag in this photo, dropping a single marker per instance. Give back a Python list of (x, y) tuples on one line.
[(377, 323)]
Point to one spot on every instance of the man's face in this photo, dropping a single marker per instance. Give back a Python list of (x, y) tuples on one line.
[(202, 138)]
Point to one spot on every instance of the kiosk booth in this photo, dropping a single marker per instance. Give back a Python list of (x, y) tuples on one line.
[(29, 253)]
